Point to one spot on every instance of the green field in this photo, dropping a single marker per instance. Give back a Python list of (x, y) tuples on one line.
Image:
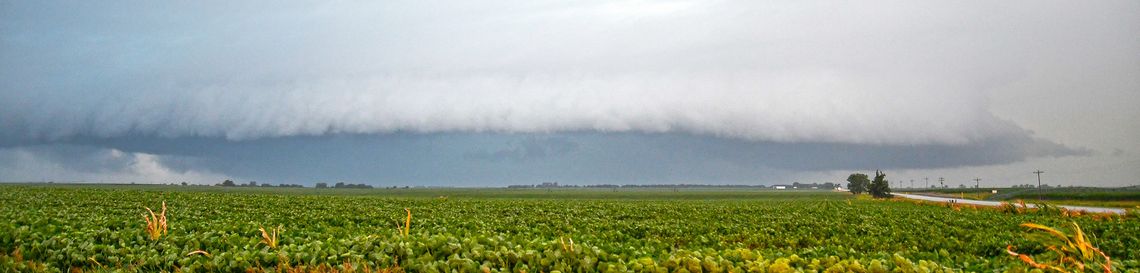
[(101, 228)]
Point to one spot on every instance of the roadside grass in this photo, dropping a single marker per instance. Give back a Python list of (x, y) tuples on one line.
[(961, 195), (1090, 194), (1096, 203), (1074, 196)]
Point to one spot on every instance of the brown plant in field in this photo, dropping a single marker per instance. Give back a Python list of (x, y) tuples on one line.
[(201, 252), (1029, 260), (17, 258), (1066, 252), (156, 223), (1131, 212), (268, 239), (407, 223), (566, 247), (1106, 216), (954, 206), (1018, 207), (326, 268), (93, 261)]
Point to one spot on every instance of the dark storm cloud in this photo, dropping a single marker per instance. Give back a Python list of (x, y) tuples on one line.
[(497, 159), (530, 148)]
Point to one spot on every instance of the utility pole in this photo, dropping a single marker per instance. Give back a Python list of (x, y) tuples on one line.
[(912, 183), (977, 182), (1039, 172), (940, 182), (927, 181), (1039, 194)]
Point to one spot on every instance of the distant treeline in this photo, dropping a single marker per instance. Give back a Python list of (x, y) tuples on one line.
[(338, 185), (342, 185), (796, 185), (230, 183)]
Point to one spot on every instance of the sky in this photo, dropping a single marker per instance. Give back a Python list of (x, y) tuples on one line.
[(495, 93)]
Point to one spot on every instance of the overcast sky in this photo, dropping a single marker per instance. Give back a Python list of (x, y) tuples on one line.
[(492, 93)]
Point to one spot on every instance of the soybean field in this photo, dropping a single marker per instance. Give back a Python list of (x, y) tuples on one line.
[(207, 229)]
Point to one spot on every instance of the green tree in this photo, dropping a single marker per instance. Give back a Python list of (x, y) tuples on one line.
[(857, 183), (880, 187)]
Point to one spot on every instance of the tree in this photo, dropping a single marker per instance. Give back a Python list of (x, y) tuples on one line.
[(857, 183), (880, 187), (322, 185), (228, 183)]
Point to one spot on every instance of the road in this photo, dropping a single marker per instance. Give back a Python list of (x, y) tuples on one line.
[(994, 204)]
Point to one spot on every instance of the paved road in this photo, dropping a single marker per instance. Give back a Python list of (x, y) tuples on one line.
[(994, 204)]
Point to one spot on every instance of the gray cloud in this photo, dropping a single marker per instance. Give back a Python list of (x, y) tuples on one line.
[(78, 163), (785, 72), (530, 148), (501, 159)]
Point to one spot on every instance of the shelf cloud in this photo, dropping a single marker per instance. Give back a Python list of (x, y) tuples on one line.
[(787, 72), (803, 109)]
